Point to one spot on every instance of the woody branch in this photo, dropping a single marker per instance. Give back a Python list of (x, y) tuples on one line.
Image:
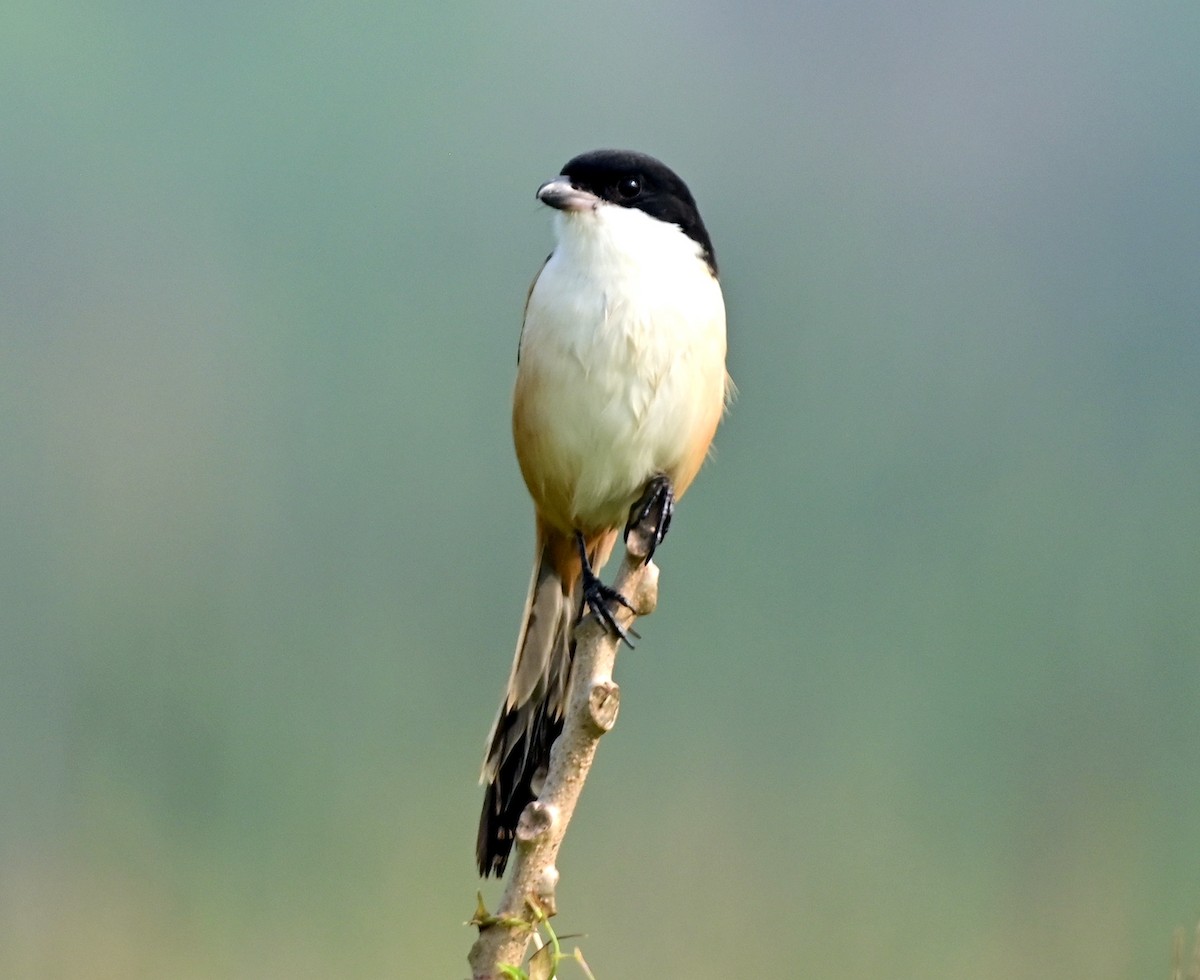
[(592, 701)]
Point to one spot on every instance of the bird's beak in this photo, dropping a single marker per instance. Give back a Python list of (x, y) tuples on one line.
[(559, 193)]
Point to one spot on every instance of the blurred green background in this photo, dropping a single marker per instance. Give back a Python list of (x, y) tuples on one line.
[(921, 697)]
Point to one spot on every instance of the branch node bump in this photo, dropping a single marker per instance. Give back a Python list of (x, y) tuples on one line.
[(545, 888), (536, 821), (603, 702)]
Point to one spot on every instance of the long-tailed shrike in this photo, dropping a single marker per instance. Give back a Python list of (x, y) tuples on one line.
[(620, 385)]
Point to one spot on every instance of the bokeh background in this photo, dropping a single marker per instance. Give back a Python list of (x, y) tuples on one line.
[(921, 699)]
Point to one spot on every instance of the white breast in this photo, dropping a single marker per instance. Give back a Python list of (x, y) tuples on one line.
[(622, 360)]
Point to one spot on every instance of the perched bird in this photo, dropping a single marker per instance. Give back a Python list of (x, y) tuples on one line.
[(621, 383)]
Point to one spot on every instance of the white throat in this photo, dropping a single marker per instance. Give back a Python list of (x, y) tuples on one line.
[(616, 241)]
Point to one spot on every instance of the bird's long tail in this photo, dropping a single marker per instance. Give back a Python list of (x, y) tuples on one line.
[(531, 716)]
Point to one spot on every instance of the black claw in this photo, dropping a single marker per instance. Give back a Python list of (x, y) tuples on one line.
[(597, 596), (656, 505)]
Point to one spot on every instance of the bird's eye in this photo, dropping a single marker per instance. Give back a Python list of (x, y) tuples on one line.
[(628, 188)]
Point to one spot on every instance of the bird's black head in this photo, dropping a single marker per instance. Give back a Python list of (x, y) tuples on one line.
[(635, 180)]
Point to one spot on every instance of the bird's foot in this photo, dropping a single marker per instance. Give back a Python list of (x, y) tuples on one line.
[(597, 597), (650, 517)]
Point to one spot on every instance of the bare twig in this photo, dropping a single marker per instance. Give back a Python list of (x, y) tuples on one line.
[(592, 703)]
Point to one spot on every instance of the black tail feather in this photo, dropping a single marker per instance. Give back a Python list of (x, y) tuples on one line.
[(514, 787)]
